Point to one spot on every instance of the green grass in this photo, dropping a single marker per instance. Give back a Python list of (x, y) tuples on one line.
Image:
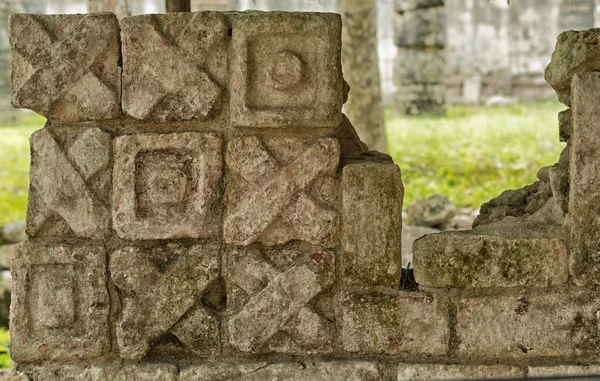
[(5, 360), (474, 153), (14, 167)]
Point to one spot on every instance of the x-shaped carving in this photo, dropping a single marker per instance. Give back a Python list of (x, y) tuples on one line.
[(273, 205), (278, 300), (154, 301)]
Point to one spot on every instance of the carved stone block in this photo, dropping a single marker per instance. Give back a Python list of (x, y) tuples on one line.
[(372, 195), (65, 67), (161, 292), (286, 70), (167, 186), (130, 372), (278, 299), (69, 184), (282, 189), (174, 65), (59, 302)]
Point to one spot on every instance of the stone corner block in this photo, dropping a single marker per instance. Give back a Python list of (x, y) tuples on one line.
[(528, 326), (60, 302), (280, 299), (426, 372), (386, 321), (69, 184), (174, 65), (490, 258), (66, 67), (167, 186), (372, 194), (286, 70)]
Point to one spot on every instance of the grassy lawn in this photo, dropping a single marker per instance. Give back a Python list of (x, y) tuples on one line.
[(474, 153), (14, 167)]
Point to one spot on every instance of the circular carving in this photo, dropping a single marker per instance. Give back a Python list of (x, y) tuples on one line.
[(285, 70)]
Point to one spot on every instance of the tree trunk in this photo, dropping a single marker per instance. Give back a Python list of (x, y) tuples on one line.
[(360, 62), (118, 7), (178, 5)]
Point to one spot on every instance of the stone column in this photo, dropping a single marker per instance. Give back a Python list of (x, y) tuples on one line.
[(420, 63)]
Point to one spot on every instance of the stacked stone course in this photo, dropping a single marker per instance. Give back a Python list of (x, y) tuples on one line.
[(200, 209)]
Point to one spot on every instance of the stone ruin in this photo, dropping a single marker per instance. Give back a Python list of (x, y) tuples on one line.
[(200, 209)]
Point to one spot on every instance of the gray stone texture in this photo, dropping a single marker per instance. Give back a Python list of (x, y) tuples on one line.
[(401, 6), (167, 186), (65, 67), (576, 52), (495, 256), (421, 28), (278, 300), (175, 65), (12, 375), (13, 232), (132, 372), (372, 194), (420, 98), (156, 302), (426, 372), (584, 201), (60, 302), (385, 321), (431, 211), (419, 66), (286, 70), (526, 327), (563, 370)]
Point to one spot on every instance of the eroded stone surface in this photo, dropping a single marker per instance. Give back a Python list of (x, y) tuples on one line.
[(175, 65), (60, 190), (425, 372), (278, 301), (431, 211), (528, 326), (60, 302), (133, 372), (167, 186), (421, 28), (269, 197), (584, 199), (287, 70), (563, 370), (496, 256), (311, 371), (160, 293), (393, 322), (372, 194), (12, 375), (576, 52), (65, 67)]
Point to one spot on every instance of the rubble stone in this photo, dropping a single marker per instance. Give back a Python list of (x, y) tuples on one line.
[(60, 302), (65, 67), (426, 372), (132, 372), (494, 256), (12, 375), (565, 125), (13, 232), (270, 92), (558, 324), (175, 65), (421, 28), (393, 323), (372, 194), (431, 211), (576, 52)]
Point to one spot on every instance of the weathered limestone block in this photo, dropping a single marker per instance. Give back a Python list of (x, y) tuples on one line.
[(65, 67), (12, 375), (372, 194), (426, 372), (161, 294), (576, 52), (312, 371), (132, 372), (493, 256), (68, 185), (565, 125), (431, 211), (286, 70), (167, 186), (421, 98), (402, 6), (278, 300), (60, 302), (421, 28), (282, 189), (419, 66), (348, 137), (563, 370), (174, 65), (584, 199), (392, 322), (559, 324)]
